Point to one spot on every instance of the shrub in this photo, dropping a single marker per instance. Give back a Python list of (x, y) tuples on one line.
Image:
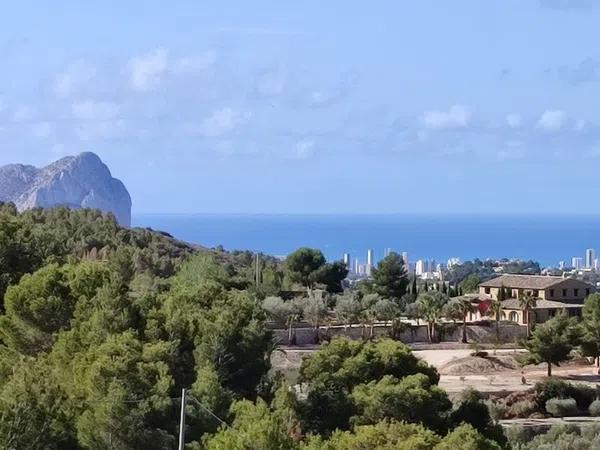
[(562, 407), (594, 408), (583, 395), (522, 409), (546, 390), (496, 410)]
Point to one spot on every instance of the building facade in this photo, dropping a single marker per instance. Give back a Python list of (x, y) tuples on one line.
[(552, 295)]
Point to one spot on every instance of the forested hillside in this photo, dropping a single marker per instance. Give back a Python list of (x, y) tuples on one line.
[(103, 326)]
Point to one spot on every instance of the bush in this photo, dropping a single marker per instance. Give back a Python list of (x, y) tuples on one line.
[(594, 408), (583, 395), (546, 390), (522, 409), (562, 407), (496, 410)]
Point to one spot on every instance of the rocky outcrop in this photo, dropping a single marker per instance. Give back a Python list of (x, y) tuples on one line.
[(81, 181)]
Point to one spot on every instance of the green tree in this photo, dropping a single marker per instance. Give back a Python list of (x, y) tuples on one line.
[(390, 278), (386, 310), (496, 308), (471, 410), (470, 284), (528, 303), (256, 426), (369, 312), (347, 309), (332, 373), (285, 313), (330, 276), (465, 437), (552, 341), (414, 311), (314, 311), (302, 265), (35, 412), (432, 307), (384, 435), (461, 307), (410, 399), (590, 342)]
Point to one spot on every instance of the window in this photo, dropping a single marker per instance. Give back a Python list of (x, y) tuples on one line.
[(587, 292), (487, 290), (564, 292), (536, 293), (576, 292), (551, 292), (513, 316)]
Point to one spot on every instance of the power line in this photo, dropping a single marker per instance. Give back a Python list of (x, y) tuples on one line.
[(209, 411)]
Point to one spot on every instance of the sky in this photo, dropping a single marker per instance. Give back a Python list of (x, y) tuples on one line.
[(323, 107)]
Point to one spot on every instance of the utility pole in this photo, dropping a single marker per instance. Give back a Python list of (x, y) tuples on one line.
[(182, 421)]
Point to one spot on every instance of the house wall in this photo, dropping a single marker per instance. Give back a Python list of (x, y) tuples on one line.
[(568, 290)]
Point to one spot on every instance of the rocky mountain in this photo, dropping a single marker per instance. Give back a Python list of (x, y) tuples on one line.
[(81, 181)]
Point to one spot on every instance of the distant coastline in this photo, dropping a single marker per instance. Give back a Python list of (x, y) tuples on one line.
[(544, 238)]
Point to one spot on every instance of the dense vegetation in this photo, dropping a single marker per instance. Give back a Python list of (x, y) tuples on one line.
[(101, 327)]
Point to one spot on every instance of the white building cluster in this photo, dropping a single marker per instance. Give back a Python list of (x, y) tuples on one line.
[(424, 268), (578, 263)]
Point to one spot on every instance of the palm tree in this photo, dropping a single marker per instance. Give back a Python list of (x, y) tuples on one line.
[(496, 308), (463, 307), (432, 305), (527, 302)]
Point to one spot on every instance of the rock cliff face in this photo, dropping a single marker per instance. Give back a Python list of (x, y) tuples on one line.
[(81, 181)]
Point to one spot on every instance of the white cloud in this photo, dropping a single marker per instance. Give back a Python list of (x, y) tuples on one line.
[(304, 149), (147, 70), (223, 121), (77, 75), (93, 110), (514, 120), (41, 129), (458, 116), (552, 120)]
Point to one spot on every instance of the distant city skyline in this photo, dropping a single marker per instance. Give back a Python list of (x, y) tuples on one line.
[(299, 107)]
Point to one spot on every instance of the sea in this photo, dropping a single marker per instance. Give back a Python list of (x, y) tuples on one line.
[(546, 239)]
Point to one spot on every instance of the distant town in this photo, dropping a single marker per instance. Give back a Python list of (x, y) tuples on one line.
[(587, 265)]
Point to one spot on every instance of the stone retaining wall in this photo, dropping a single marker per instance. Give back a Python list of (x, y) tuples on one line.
[(509, 333)]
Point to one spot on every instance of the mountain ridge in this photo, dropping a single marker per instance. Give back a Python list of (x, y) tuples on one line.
[(80, 181)]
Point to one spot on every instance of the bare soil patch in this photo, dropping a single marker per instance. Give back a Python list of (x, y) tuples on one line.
[(479, 365)]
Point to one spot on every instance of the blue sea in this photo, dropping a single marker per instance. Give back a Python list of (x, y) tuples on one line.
[(547, 239)]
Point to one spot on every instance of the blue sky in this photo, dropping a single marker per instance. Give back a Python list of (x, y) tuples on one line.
[(312, 106)]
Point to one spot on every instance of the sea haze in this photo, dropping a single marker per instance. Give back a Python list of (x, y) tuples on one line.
[(546, 239)]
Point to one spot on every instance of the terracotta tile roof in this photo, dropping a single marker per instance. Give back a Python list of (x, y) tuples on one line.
[(513, 303), (524, 281)]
